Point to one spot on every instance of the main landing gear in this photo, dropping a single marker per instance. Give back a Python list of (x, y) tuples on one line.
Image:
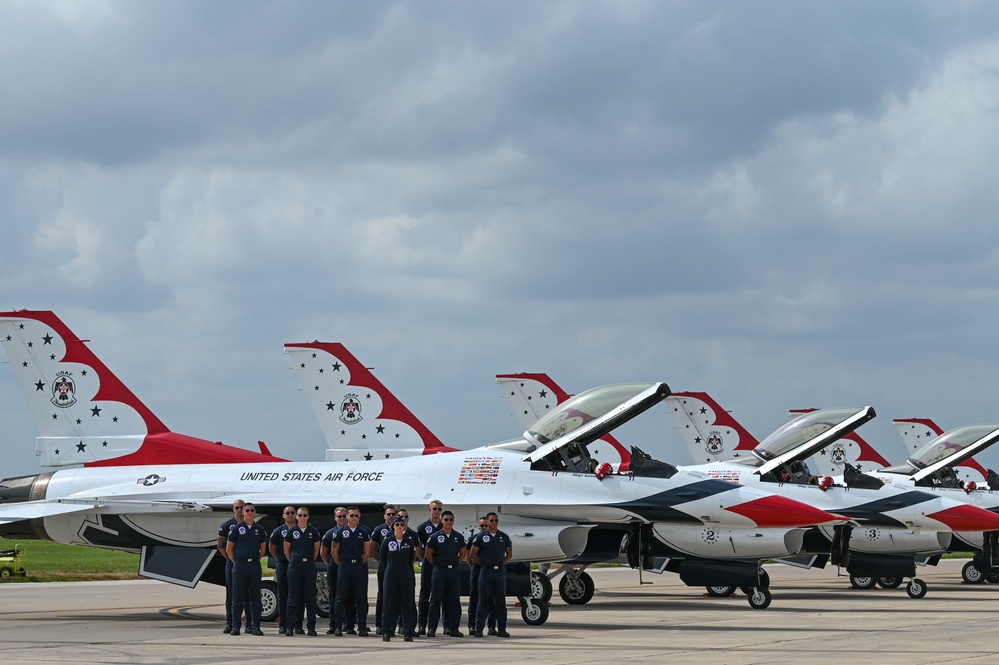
[(759, 596)]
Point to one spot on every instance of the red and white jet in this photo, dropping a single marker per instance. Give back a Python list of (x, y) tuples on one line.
[(133, 487)]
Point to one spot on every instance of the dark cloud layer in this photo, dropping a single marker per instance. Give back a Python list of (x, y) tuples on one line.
[(778, 202)]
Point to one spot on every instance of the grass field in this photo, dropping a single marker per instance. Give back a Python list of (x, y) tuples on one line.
[(46, 561)]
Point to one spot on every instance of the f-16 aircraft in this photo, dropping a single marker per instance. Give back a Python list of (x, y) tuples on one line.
[(137, 489), (899, 525), (332, 377), (709, 430)]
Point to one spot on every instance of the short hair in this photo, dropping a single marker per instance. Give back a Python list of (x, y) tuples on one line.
[(436, 502), (350, 508), (388, 507), (488, 515), (447, 512)]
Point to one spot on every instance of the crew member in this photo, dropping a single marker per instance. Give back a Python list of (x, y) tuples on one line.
[(350, 615), (492, 551), (245, 544), (424, 531), (349, 548), (445, 549), (276, 549), (473, 584), (301, 547), (378, 534), (237, 516), (398, 551), (404, 514)]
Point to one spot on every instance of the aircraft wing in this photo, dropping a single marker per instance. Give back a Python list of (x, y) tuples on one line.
[(29, 510)]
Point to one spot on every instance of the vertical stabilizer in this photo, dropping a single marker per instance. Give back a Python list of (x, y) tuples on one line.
[(710, 433), (360, 418), (84, 413)]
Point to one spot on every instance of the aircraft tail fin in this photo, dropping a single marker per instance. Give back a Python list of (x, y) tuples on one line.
[(360, 418), (850, 449), (710, 433), (916, 432), (532, 394), (84, 413)]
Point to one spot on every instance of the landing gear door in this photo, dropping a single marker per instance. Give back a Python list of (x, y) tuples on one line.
[(176, 565)]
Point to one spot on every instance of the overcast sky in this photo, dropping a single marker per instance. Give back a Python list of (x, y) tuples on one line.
[(785, 204)]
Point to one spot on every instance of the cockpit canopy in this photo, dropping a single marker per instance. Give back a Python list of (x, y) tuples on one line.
[(933, 464), (561, 436), (804, 428)]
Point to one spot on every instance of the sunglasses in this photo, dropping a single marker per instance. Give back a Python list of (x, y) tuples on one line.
[(249, 510), (303, 515), (237, 507), (436, 509), (493, 520), (389, 514), (289, 512), (353, 515), (483, 526), (447, 519), (341, 517)]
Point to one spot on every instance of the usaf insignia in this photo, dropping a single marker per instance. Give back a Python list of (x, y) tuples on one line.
[(63, 390), (350, 410), (714, 443)]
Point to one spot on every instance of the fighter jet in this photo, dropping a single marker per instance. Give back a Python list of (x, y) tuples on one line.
[(128, 485), (710, 431)]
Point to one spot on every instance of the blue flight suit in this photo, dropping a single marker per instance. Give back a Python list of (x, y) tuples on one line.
[(281, 577), (230, 622), (332, 570), (378, 534), (399, 582), (424, 531), (352, 574), (446, 582), (302, 573), (473, 589), (246, 540), (492, 579)]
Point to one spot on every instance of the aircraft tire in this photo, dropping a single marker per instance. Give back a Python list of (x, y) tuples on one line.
[(863, 582), (916, 588), (541, 587), (720, 591), (760, 598), (889, 582), (268, 601), (971, 574), (578, 591), (533, 614)]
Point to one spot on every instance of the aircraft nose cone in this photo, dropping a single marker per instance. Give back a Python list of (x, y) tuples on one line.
[(779, 511), (966, 517)]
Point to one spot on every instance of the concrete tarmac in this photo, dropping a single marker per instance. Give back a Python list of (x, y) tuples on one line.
[(815, 617)]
